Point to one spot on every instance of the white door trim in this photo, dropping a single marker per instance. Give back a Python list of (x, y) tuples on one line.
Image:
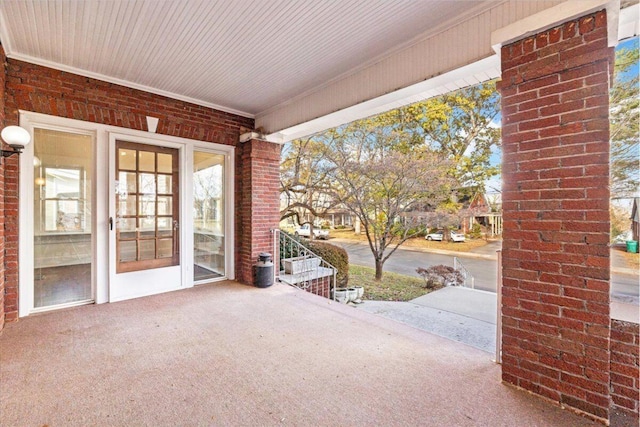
[(104, 158)]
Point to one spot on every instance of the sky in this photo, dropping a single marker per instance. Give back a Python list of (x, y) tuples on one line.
[(628, 44)]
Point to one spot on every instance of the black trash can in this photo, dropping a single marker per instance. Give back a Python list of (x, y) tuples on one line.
[(263, 271)]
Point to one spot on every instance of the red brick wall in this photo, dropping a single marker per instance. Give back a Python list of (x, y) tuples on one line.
[(625, 367), (39, 89), (44, 90), (321, 287), (257, 203), (555, 285), (3, 60)]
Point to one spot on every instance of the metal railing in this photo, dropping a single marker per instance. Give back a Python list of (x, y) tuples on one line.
[(288, 249), (469, 280)]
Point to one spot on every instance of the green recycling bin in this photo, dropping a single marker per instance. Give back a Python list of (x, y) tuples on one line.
[(632, 246)]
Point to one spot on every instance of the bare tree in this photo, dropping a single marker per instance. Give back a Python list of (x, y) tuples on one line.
[(304, 182), (380, 184)]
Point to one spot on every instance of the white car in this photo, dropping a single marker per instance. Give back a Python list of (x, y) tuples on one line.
[(318, 233), (457, 237), (439, 236)]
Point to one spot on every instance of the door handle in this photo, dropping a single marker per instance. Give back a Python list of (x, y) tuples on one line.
[(110, 223)]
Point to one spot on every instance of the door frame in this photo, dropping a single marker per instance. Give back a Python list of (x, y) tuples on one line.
[(26, 261), (155, 280), (103, 134)]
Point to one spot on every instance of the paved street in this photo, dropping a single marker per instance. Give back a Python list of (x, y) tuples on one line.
[(481, 263), (405, 261)]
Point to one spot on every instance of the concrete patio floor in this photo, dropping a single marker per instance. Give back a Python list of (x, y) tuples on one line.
[(228, 354)]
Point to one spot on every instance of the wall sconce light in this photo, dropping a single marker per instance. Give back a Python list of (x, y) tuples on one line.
[(16, 137)]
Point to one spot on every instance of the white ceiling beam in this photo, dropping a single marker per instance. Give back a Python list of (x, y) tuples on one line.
[(365, 90)]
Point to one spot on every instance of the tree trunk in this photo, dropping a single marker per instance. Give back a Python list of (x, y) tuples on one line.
[(379, 265), (312, 220)]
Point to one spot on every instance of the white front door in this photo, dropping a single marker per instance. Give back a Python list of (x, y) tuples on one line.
[(144, 221)]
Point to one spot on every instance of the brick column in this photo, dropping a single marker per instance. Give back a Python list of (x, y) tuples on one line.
[(257, 203), (3, 79), (555, 124)]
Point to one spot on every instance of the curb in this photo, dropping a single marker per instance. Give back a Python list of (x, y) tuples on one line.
[(431, 251), (625, 271)]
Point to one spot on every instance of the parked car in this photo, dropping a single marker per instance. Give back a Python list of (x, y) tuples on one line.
[(439, 236), (305, 231), (457, 237)]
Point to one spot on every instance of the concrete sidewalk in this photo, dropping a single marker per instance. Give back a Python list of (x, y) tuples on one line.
[(465, 315), (460, 314)]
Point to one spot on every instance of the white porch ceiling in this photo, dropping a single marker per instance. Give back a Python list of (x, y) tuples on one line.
[(285, 63), (242, 56)]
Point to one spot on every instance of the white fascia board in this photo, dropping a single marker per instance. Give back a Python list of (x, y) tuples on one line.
[(482, 70), (629, 25), (555, 16)]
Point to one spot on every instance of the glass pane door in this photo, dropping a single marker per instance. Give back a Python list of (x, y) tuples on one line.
[(146, 207), (209, 221), (63, 173)]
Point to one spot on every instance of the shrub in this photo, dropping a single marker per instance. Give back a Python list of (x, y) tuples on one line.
[(440, 275), (476, 231), (335, 256)]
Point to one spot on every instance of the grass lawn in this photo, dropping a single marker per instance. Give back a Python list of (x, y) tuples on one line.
[(418, 242), (633, 260), (392, 287)]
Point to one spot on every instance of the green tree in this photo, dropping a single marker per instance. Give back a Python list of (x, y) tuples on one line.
[(624, 115), (461, 126)]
